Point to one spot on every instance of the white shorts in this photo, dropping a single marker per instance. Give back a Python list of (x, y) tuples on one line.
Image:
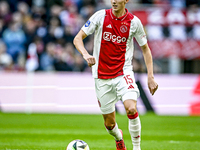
[(109, 91)]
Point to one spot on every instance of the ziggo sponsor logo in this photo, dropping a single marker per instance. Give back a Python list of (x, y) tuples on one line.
[(107, 36)]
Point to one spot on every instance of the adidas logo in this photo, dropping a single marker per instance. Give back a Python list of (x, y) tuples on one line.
[(131, 87), (109, 26)]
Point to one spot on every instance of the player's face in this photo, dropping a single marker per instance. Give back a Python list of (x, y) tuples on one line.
[(118, 5)]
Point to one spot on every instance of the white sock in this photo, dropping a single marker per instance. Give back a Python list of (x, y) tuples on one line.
[(115, 132), (135, 132)]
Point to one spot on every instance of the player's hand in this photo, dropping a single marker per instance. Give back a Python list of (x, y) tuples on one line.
[(90, 59), (153, 86)]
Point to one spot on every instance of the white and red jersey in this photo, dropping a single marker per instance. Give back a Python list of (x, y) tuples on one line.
[(113, 42)]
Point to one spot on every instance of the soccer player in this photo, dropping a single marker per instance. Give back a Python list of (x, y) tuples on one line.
[(111, 65)]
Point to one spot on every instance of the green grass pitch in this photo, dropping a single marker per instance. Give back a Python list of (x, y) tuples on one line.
[(55, 131)]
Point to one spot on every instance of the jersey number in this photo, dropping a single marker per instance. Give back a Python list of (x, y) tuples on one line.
[(128, 79)]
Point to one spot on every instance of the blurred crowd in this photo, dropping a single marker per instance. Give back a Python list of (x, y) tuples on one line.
[(37, 35)]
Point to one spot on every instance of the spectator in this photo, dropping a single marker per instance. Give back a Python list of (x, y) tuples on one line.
[(24, 10), (17, 18), (70, 17), (69, 54), (15, 39), (32, 60), (5, 13), (5, 59), (47, 58), (30, 32), (38, 3), (55, 31), (87, 11), (68, 34), (60, 60)]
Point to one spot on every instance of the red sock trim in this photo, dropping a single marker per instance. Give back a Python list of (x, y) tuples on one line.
[(111, 128), (133, 116)]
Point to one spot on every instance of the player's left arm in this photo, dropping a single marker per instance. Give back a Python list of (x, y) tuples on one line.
[(153, 86)]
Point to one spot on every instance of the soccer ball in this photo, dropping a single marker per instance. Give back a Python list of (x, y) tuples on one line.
[(78, 145)]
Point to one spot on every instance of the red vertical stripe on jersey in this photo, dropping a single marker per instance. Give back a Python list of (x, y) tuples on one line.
[(113, 45)]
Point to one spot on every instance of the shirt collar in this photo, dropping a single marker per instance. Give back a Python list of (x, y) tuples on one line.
[(120, 18)]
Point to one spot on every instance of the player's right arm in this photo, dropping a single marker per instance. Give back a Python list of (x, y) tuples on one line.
[(78, 42)]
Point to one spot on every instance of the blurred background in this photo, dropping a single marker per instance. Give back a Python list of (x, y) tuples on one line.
[(40, 69)]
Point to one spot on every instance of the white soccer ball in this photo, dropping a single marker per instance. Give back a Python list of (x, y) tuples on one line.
[(78, 145)]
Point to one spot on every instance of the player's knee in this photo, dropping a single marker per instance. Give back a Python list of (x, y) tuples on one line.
[(131, 111)]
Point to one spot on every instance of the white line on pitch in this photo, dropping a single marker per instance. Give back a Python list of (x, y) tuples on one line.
[(81, 106), (78, 88)]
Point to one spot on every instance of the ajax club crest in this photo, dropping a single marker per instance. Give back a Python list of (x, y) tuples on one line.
[(123, 28)]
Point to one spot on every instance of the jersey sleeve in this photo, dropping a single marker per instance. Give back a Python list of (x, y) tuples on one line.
[(90, 26), (140, 34)]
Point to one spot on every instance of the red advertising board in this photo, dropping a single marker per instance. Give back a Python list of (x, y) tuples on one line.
[(183, 32)]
